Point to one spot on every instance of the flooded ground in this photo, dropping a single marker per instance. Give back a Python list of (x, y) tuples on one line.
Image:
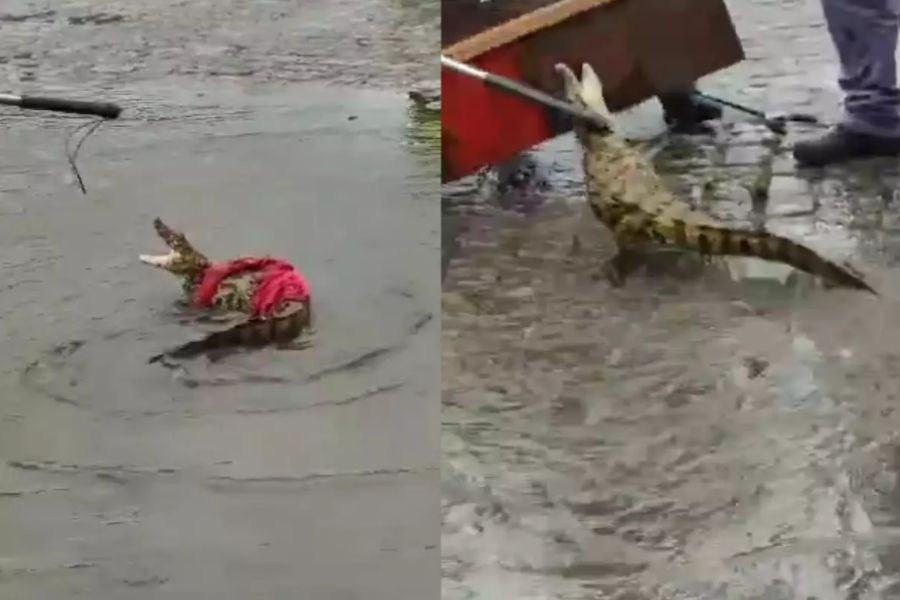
[(275, 127), (687, 436)]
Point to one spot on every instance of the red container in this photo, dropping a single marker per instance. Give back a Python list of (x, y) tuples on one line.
[(638, 48)]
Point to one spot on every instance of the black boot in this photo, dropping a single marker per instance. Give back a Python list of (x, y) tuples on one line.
[(684, 112), (840, 145)]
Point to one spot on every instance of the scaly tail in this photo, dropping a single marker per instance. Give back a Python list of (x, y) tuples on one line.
[(712, 240), (280, 328)]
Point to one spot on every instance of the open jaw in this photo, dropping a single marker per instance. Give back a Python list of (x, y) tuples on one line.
[(163, 261)]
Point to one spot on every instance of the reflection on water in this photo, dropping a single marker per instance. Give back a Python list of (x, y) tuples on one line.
[(424, 129)]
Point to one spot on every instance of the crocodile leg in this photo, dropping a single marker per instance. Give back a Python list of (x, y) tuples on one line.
[(620, 266), (628, 232)]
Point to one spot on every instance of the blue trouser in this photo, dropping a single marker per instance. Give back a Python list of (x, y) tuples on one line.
[(865, 36)]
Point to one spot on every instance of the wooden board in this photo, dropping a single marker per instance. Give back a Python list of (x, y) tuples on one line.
[(639, 48)]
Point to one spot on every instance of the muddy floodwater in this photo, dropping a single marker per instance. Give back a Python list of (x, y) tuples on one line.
[(694, 434), (275, 127)]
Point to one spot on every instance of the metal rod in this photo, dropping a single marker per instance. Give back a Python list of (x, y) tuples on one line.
[(734, 105), (521, 90), (774, 122), (107, 110)]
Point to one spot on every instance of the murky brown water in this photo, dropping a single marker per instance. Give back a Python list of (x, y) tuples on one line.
[(687, 436), (275, 127)]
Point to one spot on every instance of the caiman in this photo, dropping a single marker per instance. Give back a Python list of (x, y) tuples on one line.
[(627, 195), (268, 297)]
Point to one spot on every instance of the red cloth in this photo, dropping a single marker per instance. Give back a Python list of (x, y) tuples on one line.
[(280, 281)]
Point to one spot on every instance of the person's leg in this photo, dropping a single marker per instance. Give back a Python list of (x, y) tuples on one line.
[(864, 33)]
